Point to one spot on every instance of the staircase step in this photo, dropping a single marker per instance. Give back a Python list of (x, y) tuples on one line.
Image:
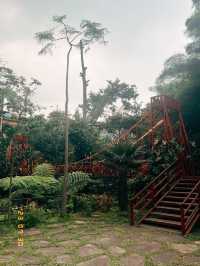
[(166, 209), (180, 193), (191, 183), (173, 204), (183, 184), (191, 177), (176, 199), (166, 216), (190, 180), (162, 222), (183, 189)]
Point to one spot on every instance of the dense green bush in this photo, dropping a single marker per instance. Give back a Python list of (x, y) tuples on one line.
[(85, 204), (4, 204), (45, 191), (44, 169), (136, 184), (34, 217), (30, 188)]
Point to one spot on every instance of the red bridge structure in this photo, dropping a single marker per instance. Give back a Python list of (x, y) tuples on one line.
[(171, 199), (175, 201)]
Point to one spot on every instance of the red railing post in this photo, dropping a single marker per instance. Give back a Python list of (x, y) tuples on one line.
[(182, 220), (199, 197), (132, 213)]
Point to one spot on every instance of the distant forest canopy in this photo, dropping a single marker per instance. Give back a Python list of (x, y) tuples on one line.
[(180, 77), (109, 110)]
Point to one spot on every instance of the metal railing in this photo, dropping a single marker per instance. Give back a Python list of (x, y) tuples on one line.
[(187, 219), (161, 184)]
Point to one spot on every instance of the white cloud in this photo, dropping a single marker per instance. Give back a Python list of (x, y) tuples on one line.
[(141, 39), (10, 10)]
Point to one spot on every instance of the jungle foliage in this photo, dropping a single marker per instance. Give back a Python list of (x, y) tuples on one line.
[(110, 111), (180, 77)]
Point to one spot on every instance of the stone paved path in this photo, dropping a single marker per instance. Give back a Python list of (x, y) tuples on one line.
[(94, 242)]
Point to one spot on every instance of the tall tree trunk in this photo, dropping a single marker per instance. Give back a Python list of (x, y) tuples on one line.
[(84, 81), (66, 167), (123, 192), (1, 111)]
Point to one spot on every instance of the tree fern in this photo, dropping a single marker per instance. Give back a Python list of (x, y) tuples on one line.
[(77, 181), (44, 169)]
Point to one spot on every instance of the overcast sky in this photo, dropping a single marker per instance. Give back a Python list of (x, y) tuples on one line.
[(143, 34)]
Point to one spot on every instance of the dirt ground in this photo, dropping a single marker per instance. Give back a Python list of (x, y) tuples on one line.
[(96, 241)]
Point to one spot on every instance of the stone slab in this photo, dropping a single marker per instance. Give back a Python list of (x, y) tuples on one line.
[(133, 260), (185, 248), (32, 232), (69, 243), (99, 261), (89, 250), (63, 259), (41, 243), (165, 258), (147, 247), (5, 259), (28, 260), (51, 251), (194, 260), (116, 251)]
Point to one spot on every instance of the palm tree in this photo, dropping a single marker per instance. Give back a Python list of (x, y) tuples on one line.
[(121, 158)]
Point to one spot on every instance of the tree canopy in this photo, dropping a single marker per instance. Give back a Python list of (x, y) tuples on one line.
[(180, 77)]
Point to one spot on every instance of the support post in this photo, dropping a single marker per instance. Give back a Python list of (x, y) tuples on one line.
[(199, 198), (132, 214), (182, 220)]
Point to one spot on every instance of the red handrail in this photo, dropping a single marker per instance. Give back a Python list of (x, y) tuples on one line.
[(140, 197), (153, 181), (185, 222), (192, 191)]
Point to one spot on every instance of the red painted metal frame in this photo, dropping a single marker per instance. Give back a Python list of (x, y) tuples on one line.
[(187, 220), (159, 119), (96, 168), (164, 106), (161, 183)]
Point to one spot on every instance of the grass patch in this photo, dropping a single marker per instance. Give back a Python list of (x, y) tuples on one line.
[(114, 216), (148, 261), (5, 229)]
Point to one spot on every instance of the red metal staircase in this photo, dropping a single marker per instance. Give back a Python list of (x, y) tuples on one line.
[(172, 199), (176, 200)]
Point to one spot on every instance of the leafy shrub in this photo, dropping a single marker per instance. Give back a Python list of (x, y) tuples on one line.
[(138, 183), (76, 183), (4, 204), (85, 203), (104, 202), (30, 187), (34, 217), (90, 203), (44, 169), (45, 191)]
